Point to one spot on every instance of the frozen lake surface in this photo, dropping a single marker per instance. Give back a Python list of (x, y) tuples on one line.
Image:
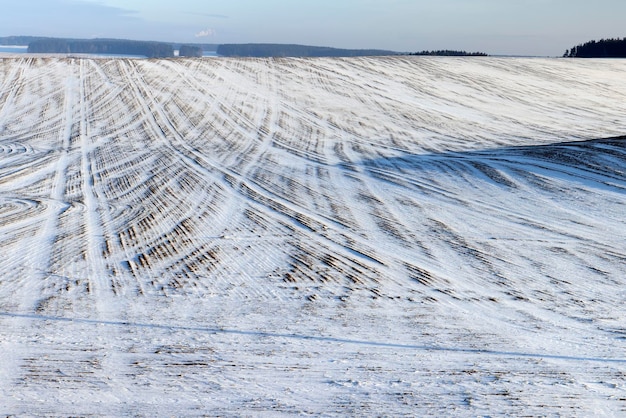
[(13, 49), (369, 236)]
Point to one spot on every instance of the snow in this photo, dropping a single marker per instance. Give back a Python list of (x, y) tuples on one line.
[(363, 236)]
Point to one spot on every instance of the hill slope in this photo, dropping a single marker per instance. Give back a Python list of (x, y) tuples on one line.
[(364, 236)]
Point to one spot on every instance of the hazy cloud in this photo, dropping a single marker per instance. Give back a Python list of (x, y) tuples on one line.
[(207, 33)]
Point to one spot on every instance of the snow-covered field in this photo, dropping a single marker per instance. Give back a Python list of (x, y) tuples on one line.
[(372, 236)]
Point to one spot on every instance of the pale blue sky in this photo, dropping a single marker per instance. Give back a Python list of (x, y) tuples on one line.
[(523, 27)]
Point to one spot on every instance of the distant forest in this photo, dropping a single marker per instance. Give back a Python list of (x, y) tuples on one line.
[(38, 44), (289, 50), (195, 49), (165, 50), (102, 46), (604, 48), (19, 40), (190, 51), (450, 53)]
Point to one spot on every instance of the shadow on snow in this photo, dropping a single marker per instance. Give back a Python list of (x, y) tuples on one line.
[(598, 164), (261, 334)]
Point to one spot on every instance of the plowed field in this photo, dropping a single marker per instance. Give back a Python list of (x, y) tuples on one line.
[(369, 236)]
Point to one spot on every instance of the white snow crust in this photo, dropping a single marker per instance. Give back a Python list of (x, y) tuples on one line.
[(369, 236)]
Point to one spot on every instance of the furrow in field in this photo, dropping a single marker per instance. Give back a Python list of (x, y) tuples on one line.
[(173, 234), (250, 233)]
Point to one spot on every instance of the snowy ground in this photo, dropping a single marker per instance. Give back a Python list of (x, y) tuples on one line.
[(372, 236)]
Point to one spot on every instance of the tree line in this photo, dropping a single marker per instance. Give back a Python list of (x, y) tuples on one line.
[(604, 48), (152, 49), (148, 49), (190, 51), (102, 46), (450, 53), (19, 40), (293, 50)]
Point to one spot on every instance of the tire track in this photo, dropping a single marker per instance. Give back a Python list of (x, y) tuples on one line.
[(306, 222), (220, 224), (96, 242)]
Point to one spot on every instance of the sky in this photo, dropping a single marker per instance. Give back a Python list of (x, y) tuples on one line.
[(498, 27)]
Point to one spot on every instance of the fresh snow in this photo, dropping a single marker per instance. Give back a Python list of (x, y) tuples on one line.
[(369, 236)]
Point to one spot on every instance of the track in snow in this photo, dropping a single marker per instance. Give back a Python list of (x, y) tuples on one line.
[(359, 228)]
